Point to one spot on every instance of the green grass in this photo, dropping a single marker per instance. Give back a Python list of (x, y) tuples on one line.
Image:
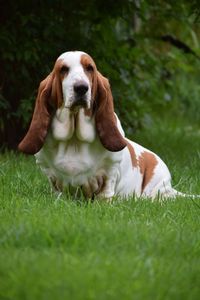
[(68, 249)]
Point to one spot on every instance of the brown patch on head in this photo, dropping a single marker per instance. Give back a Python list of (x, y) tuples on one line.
[(133, 155), (91, 72), (88, 66), (61, 69), (147, 163)]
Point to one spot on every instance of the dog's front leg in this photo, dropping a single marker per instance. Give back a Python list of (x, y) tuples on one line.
[(109, 184)]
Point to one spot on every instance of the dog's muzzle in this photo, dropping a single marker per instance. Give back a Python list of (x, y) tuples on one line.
[(80, 94)]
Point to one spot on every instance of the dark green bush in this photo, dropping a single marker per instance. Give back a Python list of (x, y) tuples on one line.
[(148, 76)]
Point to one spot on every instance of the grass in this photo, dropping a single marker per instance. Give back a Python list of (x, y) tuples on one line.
[(68, 249)]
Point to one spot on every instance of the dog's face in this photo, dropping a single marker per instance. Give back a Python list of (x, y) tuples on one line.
[(77, 71)]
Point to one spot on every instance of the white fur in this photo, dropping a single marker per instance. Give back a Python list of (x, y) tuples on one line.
[(76, 73)]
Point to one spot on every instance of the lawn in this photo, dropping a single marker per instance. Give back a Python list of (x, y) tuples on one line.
[(68, 249)]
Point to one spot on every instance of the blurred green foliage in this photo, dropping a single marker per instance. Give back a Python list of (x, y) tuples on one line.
[(148, 75)]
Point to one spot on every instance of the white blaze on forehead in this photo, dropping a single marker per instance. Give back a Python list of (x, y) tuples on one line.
[(72, 57)]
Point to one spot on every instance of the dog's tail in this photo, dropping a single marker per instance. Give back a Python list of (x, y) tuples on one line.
[(174, 193)]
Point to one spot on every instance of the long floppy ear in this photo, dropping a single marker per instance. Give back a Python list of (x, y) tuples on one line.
[(106, 123), (35, 137)]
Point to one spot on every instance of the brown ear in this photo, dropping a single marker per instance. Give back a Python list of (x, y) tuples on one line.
[(35, 137), (106, 123)]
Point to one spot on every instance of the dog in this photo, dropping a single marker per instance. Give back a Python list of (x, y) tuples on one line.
[(78, 139)]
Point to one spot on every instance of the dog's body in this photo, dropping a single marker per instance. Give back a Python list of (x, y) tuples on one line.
[(78, 139), (81, 160)]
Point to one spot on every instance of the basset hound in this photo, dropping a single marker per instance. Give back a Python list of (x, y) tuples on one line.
[(78, 139)]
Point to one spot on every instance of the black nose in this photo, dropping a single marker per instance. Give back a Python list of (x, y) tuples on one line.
[(80, 88)]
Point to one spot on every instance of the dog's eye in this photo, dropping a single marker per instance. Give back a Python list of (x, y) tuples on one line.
[(64, 70), (89, 68)]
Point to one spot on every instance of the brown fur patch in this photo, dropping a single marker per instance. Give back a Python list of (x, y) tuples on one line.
[(106, 126), (87, 112), (147, 163), (87, 62), (103, 107), (35, 137), (59, 68), (49, 98), (133, 155)]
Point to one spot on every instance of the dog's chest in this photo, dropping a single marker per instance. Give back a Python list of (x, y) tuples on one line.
[(73, 162), (74, 158), (73, 152), (75, 149)]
